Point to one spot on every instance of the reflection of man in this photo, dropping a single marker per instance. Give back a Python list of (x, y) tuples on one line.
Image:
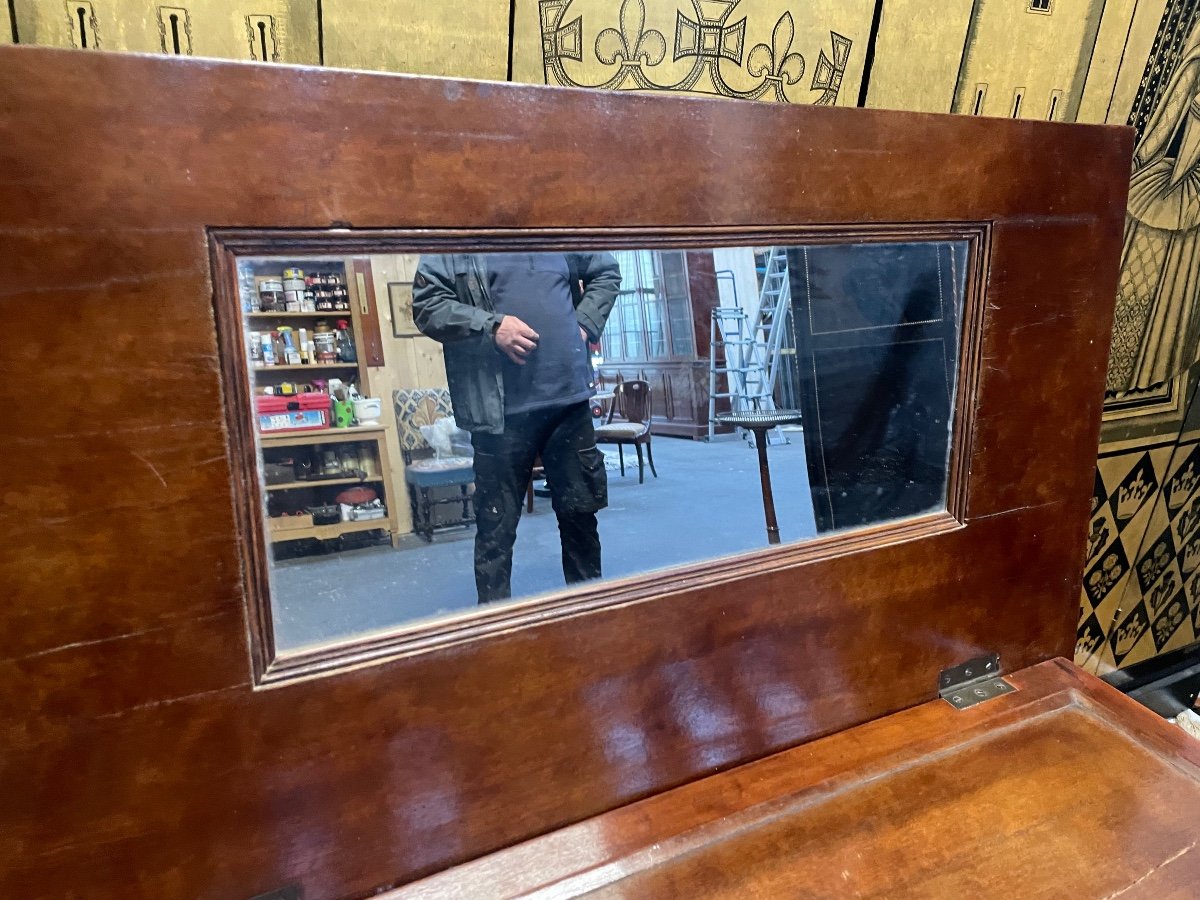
[(515, 328)]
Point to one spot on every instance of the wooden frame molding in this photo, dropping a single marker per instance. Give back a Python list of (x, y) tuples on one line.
[(271, 667)]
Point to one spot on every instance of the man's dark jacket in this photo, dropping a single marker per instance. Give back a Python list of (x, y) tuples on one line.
[(451, 305)]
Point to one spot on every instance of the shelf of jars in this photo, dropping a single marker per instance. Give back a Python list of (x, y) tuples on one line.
[(322, 448), (301, 367)]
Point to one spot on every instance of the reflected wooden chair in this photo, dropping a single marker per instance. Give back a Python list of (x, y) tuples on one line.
[(632, 400), (538, 473), (423, 474)]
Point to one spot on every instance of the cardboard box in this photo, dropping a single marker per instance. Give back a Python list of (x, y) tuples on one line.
[(284, 524)]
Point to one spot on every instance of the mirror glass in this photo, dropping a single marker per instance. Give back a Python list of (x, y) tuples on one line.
[(441, 431)]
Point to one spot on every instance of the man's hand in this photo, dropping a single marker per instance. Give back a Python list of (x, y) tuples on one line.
[(515, 339), (583, 334)]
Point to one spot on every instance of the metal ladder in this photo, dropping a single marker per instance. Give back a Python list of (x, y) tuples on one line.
[(752, 346), (770, 317)]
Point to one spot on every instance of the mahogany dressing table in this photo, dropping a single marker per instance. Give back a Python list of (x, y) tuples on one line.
[(769, 724)]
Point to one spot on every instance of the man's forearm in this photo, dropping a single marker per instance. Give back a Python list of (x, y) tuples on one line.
[(446, 318)]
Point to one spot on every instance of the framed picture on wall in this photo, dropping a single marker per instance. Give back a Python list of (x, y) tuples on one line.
[(400, 297)]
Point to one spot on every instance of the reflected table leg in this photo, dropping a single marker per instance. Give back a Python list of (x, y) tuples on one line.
[(764, 475), (760, 422)]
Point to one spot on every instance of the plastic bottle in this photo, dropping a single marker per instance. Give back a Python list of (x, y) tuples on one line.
[(345, 343), (291, 354), (268, 349)]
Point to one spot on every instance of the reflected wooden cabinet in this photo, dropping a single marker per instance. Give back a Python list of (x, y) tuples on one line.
[(679, 394), (659, 332)]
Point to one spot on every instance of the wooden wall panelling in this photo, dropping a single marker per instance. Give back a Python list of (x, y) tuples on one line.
[(1167, 563), (410, 361), (989, 58), (125, 684), (928, 63), (1126, 617), (1117, 46), (1140, 593), (1124, 505), (295, 37), (62, 25), (1056, 49), (464, 38)]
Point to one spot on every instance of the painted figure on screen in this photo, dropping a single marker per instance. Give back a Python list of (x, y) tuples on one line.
[(1156, 333)]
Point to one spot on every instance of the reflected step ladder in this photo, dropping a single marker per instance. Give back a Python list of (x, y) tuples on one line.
[(751, 347)]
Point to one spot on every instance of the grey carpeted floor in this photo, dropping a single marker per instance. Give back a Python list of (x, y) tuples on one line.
[(705, 503)]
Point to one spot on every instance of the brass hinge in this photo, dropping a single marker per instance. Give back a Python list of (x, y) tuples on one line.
[(973, 682)]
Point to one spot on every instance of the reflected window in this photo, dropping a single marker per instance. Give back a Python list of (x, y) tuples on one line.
[(651, 318)]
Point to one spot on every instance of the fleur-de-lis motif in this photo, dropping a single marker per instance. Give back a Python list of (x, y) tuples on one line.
[(707, 42), (632, 43), (778, 61)]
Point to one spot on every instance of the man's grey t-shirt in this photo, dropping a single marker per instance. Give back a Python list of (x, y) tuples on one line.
[(534, 287)]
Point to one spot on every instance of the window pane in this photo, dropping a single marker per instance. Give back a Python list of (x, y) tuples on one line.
[(679, 304)]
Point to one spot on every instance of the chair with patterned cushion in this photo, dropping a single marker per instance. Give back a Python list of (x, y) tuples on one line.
[(423, 472), (632, 400)]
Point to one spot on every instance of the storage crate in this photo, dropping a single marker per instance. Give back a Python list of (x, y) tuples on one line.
[(301, 412)]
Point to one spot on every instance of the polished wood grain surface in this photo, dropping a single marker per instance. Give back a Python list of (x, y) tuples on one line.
[(141, 760), (1065, 788)]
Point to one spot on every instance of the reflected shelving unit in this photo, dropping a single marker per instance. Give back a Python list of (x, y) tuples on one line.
[(306, 470)]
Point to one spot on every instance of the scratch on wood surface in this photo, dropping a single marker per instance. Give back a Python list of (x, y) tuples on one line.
[(157, 474), (1162, 865), (174, 624), (170, 701), (1049, 320), (1043, 221), (52, 437), (1017, 509), (104, 284)]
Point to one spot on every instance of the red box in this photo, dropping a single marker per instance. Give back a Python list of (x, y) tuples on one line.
[(300, 412)]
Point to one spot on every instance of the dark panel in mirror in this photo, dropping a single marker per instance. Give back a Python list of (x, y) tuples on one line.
[(877, 332)]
